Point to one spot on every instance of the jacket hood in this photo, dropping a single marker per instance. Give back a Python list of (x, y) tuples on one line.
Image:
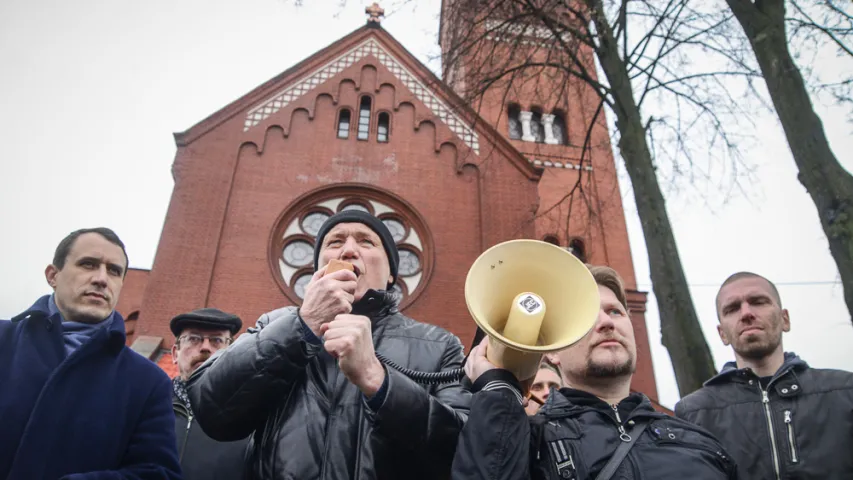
[(792, 361)]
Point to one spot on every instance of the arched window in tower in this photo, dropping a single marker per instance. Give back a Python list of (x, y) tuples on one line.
[(514, 117), (578, 249), (559, 129), (536, 127), (364, 118), (383, 125), (552, 239), (343, 123)]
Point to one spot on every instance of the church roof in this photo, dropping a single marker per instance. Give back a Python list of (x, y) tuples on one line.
[(278, 92)]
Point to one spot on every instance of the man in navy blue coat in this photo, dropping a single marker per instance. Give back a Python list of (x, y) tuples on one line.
[(75, 403)]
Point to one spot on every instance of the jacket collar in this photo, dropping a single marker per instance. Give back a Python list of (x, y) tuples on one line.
[(376, 304), (730, 370), (568, 401), (40, 311)]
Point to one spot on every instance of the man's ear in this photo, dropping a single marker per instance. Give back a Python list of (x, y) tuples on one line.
[(553, 358), (50, 275), (786, 321), (175, 353), (723, 336)]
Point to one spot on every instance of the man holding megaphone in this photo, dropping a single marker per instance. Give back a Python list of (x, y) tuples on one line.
[(594, 429), (309, 384)]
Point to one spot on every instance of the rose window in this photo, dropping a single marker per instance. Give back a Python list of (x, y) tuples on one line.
[(292, 248)]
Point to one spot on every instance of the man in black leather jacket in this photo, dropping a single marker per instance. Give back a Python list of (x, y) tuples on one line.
[(779, 418), (308, 383), (578, 430), (198, 335)]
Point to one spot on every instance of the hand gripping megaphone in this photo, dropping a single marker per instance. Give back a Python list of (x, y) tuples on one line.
[(530, 298)]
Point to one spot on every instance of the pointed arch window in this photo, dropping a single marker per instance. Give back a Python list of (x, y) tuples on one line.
[(578, 249), (364, 118), (344, 119), (383, 127), (559, 129), (514, 117)]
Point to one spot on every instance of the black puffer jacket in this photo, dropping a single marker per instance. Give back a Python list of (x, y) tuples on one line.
[(801, 423), (573, 437), (310, 422)]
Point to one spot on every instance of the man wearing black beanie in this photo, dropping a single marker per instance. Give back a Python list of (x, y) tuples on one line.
[(308, 383)]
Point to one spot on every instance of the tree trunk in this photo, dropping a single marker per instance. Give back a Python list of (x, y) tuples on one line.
[(828, 183), (681, 333)]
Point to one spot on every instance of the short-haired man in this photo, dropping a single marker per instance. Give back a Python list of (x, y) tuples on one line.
[(308, 382), (198, 335), (778, 417), (75, 402), (582, 429), (546, 378)]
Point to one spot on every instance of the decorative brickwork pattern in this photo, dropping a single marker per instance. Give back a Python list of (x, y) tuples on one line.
[(369, 47)]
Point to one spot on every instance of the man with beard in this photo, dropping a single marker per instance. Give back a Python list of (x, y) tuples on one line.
[(308, 383), (778, 417), (595, 429), (198, 335)]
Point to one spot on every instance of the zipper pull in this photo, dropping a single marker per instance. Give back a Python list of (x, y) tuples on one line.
[(764, 397), (616, 411), (623, 435), (787, 416)]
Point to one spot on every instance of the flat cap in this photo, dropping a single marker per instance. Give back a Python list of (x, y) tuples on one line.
[(206, 318)]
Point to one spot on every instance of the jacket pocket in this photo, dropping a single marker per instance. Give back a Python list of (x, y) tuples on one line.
[(792, 437), (668, 435)]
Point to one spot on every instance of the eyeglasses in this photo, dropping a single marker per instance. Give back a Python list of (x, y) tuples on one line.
[(195, 340)]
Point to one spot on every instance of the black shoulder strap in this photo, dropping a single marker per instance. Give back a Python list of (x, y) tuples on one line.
[(622, 451)]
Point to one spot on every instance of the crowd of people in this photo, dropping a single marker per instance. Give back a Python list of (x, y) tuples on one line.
[(303, 395)]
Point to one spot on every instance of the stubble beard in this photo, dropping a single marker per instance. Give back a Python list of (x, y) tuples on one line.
[(603, 370), (757, 349)]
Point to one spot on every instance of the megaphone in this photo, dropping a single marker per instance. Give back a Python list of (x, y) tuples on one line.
[(530, 298)]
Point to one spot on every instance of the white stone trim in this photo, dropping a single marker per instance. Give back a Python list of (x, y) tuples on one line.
[(370, 46), (552, 164)]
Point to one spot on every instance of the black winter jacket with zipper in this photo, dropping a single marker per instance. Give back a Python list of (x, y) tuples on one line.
[(799, 427), (203, 458), (574, 435), (310, 422)]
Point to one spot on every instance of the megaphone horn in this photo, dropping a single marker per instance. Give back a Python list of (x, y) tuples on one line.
[(530, 298)]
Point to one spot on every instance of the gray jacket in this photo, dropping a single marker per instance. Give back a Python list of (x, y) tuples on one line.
[(799, 427), (310, 422)]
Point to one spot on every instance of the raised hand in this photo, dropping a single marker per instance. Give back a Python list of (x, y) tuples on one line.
[(327, 296), (477, 363), (349, 338)]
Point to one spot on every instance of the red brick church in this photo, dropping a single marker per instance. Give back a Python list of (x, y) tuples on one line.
[(362, 124)]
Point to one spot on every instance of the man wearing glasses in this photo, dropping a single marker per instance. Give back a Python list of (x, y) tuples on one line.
[(198, 335)]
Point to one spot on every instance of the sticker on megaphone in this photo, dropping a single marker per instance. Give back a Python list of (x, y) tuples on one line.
[(525, 319)]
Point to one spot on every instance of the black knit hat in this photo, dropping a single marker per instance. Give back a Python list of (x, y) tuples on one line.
[(206, 318), (358, 216)]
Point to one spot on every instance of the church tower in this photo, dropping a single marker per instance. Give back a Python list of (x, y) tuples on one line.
[(500, 65)]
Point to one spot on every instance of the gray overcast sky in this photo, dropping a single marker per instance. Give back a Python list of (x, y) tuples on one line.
[(91, 91)]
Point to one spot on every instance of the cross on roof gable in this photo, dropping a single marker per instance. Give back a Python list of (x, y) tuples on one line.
[(370, 46)]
